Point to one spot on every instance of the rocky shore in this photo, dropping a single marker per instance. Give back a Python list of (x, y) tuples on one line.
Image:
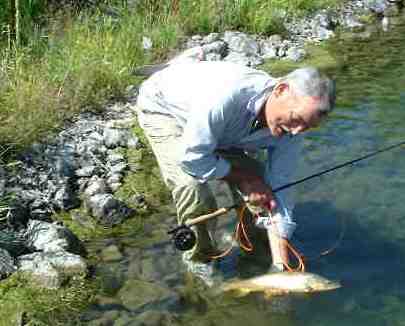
[(83, 165)]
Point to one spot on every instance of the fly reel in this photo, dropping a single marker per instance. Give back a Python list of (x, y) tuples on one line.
[(183, 237)]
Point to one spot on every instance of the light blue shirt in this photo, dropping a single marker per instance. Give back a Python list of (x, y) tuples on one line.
[(216, 104)]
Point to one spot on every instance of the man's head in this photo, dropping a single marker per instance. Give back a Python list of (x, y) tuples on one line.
[(298, 102)]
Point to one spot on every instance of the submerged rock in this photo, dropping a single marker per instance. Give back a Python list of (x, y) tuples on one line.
[(136, 294)]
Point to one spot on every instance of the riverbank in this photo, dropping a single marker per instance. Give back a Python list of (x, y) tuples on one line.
[(107, 158)]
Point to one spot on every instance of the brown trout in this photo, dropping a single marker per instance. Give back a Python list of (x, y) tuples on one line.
[(281, 283)]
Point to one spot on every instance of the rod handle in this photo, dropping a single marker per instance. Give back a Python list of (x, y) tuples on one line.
[(209, 216)]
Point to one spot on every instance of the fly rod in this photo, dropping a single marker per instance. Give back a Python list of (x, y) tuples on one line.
[(182, 233)]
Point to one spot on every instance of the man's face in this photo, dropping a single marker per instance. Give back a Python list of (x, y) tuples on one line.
[(289, 113)]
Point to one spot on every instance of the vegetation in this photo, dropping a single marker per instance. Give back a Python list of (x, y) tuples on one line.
[(59, 58)]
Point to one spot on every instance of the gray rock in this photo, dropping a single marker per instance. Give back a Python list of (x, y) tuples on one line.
[(114, 178), (269, 49), (95, 185), (86, 171), (377, 6), (218, 47), (210, 38), (213, 57), (133, 142), (7, 266), (107, 209), (51, 237), (114, 186), (242, 59), (119, 168), (321, 33), (146, 43), (114, 137), (295, 54), (352, 22), (114, 158), (241, 43), (194, 54), (2, 181), (65, 198), (51, 269)]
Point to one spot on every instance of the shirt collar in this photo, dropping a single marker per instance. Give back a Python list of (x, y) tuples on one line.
[(256, 102)]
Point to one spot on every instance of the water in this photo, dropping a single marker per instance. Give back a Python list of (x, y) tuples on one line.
[(370, 260)]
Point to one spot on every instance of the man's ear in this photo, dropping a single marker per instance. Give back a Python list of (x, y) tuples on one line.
[(281, 88)]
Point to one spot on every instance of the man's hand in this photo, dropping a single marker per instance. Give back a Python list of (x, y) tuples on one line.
[(258, 193), (253, 186)]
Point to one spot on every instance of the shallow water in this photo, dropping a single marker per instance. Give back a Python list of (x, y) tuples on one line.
[(370, 260)]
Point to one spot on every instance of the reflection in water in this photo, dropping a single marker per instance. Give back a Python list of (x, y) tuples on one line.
[(149, 286)]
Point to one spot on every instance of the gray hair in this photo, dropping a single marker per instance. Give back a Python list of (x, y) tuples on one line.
[(309, 82)]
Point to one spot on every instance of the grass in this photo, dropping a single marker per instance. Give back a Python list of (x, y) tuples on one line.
[(40, 307), (71, 62)]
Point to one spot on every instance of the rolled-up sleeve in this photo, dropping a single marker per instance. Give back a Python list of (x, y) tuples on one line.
[(280, 170), (200, 139)]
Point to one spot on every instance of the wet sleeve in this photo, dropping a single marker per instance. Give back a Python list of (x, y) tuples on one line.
[(203, 130), (280, 170)]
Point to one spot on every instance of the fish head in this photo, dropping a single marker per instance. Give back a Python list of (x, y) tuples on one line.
[(317, 283)]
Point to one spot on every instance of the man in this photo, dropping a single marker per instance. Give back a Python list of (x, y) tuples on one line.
[(202, 119)]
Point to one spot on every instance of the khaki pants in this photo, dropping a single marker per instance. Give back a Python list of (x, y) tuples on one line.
[(190, 197)]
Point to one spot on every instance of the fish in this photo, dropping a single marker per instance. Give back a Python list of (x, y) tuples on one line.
[(281, 283)]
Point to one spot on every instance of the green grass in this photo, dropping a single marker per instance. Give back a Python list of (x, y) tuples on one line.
[(42, 307), (69, 62)]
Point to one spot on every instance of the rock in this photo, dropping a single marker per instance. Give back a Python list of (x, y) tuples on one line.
[(133, 142), (241, 43), (242, 59), (52, 237), (321, 33), (18, 215), (154, 318), (135, 294), (351, 22), (218, 47), (213, 57), (295, 54), (210, 38), (115, 137), (118, 168), (7, 266), (115, 158), (377, 6), (65, 198), (51, 269), (107, 209), (3, 179), (86, 171), (268, 49), (114, 178), (95, 185), (194, 54), (111, 253), (146, 43)]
